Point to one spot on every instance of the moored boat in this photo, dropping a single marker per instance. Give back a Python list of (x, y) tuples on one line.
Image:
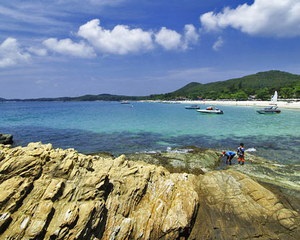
[(192, 107), (269, 110), (211, 109), (125, 102)]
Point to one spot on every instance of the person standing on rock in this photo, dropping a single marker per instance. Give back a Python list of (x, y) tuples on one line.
[(229, 156), (241, 154)]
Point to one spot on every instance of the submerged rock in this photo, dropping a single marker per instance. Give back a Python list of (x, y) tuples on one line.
[(191, 160), (48, 193), (6, 139)]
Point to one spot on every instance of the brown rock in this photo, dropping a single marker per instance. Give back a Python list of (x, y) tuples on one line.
[(61, 194), (48, 193), (237, 207)]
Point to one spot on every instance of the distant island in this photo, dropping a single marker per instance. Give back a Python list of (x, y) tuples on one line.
[(259, 86)]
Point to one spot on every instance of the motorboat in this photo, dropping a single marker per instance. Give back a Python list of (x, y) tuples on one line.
[(211, 109), (125, 102), (269, 110), (192, 107)]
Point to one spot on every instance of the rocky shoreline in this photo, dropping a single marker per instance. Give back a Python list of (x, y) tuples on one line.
[(48, 193), (6, 138)]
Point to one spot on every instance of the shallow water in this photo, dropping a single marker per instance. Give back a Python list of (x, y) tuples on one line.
[(142, 126)]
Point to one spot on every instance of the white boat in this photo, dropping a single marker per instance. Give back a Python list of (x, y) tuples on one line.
[(274, 98), (211, 109)]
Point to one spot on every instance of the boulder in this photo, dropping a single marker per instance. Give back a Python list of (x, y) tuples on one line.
[(6, 139)]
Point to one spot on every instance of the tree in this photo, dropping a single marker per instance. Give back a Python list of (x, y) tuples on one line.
[(225, 96), (240, 95), (286, 92), (263, 94), (297, 91)]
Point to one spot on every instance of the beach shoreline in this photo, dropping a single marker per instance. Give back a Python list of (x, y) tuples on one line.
[(280, 104)]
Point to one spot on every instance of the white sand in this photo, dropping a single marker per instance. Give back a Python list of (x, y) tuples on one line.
[(280, 104)]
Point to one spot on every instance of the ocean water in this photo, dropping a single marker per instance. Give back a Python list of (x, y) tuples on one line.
[(91, 127)]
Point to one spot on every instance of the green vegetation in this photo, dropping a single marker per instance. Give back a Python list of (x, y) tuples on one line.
[(260, 86)]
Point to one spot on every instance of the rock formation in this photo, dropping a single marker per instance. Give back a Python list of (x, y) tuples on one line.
[(6, 138), (236, 207), (48, 193)]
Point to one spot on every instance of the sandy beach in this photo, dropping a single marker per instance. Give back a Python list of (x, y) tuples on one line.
[(280, 104)]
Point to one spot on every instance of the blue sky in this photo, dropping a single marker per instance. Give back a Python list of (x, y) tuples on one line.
[(140, 47)]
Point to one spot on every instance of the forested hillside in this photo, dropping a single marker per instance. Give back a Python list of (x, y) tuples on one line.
[(260, 86)]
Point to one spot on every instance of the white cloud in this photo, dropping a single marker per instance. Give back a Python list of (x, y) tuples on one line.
[(68, 47), (106, 2), (11, 53), (279, 18), (91, 2), (190, 35), (120, 40), (218, 44), (31, 16), (38, 51), (123, 40), (170, 39)]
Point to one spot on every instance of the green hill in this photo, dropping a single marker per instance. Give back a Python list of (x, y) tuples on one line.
[(261, 85)]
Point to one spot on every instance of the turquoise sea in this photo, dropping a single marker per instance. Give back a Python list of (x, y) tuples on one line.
[(118, 128)]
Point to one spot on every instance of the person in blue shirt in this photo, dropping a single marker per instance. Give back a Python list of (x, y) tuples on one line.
[(229, 156), (241, 154)]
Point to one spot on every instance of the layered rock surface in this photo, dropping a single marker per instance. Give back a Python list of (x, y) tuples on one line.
[(48, 193)]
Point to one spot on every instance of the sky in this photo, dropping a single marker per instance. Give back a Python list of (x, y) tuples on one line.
[(71, 48)]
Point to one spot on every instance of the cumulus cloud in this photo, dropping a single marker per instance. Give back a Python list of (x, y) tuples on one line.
[(120, 40), (68, 47), (124, 40), (218, 44), (11, 53), (190, 35), (279, 18), (168, 39)]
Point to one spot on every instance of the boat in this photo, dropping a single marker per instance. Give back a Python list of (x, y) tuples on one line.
[(274, 98), (192, 107), (211, 109), (273, 106), (269, 110), (125, 102)]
